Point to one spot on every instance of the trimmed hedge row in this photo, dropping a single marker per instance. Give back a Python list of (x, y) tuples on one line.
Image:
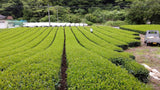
[(140, 28), (33, 61), (121, 32), (114, 33), (38, 71), (98, 40), (108, 39), (142, 32), (88, 70), (110, 54), (132, 67)]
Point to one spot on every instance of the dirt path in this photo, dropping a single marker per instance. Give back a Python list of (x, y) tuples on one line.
[(63, 82), (149, 55)]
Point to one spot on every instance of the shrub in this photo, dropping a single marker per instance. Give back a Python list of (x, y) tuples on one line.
[(143, 10), (45, 19), (91, 18), (33, 19), (115, 15), (115, 23), (89, 23), (132, 67), (72, 18)]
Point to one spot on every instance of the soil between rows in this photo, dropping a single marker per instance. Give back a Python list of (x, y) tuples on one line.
[(63, 82), (149, 55)]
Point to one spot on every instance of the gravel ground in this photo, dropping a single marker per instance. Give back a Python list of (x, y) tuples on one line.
[(149, 55)]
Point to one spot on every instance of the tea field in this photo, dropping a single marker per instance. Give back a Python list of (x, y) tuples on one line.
[(140, 28), (42, 57)]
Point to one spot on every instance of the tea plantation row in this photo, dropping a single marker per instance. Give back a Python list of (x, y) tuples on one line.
[(30, 58), (140, 28)]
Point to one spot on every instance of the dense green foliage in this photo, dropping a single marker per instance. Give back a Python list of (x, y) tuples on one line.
[(30, 58), (115, 23), (37, 10), (88, 11), (142, 11), (140, 28)]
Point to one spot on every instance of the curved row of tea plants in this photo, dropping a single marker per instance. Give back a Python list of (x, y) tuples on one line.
[(120, 32), (110, 54), (20, 39), (12, 34), (88, 70), (140, 28), (37, 71), (1, 30), (130, 39), (93, 38), (110, 40), (42, 41), (30, 58), (27, 46)]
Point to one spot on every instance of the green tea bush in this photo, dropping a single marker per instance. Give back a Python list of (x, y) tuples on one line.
[(88, 70), (129, 39), (37, 71), (109, 53), (140, 28), (108, 39), (30, 58), (132, 67), (99, 41)]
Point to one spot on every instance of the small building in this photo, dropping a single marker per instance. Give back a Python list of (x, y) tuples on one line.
[(8, 22), (9, 18), (3, 22)]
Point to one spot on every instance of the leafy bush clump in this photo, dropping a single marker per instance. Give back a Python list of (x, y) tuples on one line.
[(72, 18), (91, 18), (89, 23), (132, 67), (53, 18), (115, 23), (137, 70), (134, 44)]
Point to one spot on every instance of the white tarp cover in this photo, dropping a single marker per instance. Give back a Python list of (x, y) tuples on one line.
[(153, 72), (3, 24), (44, 24)]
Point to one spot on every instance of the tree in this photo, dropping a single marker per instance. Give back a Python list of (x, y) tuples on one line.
[(72, 18), (60, 12), (34, 10), (12, 8), (143, 10)]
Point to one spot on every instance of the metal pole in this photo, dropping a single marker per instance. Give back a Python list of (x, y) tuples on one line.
[(49, 15), (57, 14)]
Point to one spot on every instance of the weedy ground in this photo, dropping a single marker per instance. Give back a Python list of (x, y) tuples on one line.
[(149, 55)]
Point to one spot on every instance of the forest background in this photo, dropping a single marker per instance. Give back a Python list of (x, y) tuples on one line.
[(106, 12)]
